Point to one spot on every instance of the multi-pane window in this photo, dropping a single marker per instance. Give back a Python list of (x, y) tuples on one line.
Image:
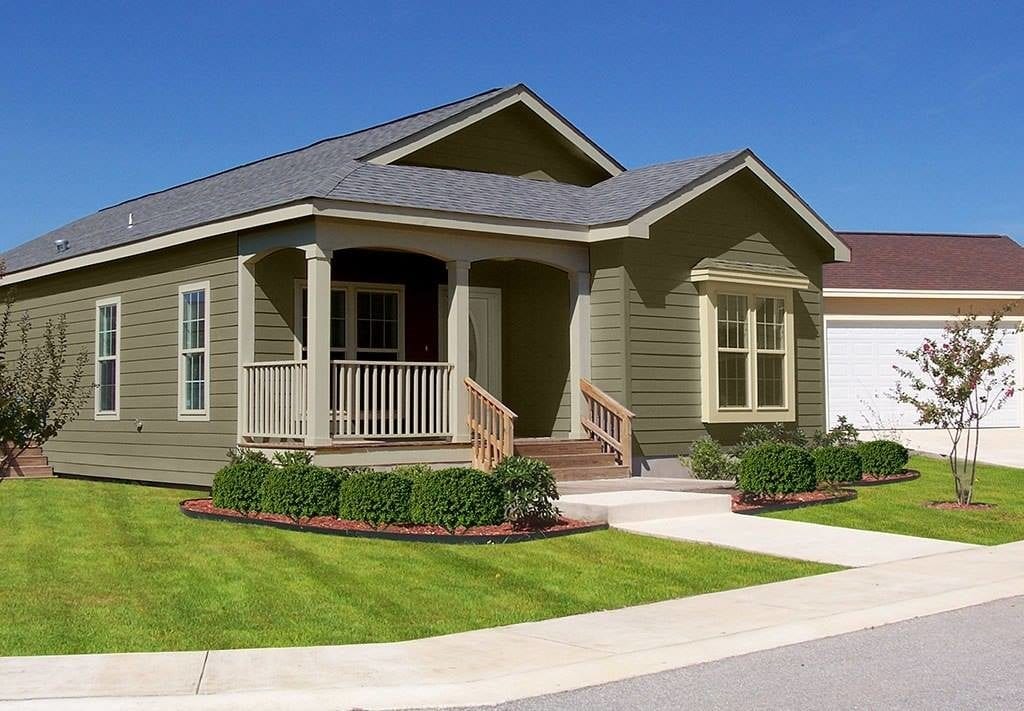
[(108, 340), (365, 322), (194, 362), (733, 351), (771, 351)]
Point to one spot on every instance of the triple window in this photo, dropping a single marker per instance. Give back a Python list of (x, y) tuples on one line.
[(366, 322)]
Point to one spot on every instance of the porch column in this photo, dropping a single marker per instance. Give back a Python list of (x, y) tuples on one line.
[(579, 347), (318, 346), (458, 346), (246, 336)]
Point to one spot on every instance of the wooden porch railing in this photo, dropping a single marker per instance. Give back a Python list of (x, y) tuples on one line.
[(381, 399), (275, 399), (608, 422), (491, 427)]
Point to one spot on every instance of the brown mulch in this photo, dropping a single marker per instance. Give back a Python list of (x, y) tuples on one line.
[(205, 506), (954, 506), (747, 504), (870, 479)]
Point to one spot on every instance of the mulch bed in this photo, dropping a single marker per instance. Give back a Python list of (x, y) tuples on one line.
[(503, 533), (873, 480), (954, 506), (748, 505)]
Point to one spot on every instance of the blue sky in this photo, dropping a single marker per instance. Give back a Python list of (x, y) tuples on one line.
[(885, 116)]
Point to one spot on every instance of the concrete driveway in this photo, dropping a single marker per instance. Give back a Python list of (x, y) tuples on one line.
[(998, 445)]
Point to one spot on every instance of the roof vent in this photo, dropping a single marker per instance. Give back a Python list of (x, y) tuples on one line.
[(62, 245), (131, 220)]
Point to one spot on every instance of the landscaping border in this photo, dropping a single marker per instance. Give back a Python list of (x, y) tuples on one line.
[(846, 495), (449, 538), (906, 475)]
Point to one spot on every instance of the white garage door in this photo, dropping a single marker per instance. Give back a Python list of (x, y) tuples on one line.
[(860, 357)]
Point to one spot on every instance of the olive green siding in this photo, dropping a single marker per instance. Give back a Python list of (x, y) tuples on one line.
[(159, 448), (275, 304), (650, 338), (534, 342), (513, 141)]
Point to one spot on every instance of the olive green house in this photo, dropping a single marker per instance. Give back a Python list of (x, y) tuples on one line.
[(453, 286)]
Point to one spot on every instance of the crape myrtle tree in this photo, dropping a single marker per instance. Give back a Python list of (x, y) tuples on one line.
[(955, 382), (41, 382)]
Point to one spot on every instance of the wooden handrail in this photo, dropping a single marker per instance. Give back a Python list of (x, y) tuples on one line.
[(608, 422), (491, 427)]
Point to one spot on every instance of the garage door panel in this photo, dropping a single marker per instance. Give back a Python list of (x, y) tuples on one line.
[(861, 356)]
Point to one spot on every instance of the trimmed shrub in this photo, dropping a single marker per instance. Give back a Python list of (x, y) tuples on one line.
[(239, 485), (529, 490), (377, 498), (457, 498), (300, 490), (883, 457), (774, 433), (413, 471), (708, 460), (771, 469), (837, 465)]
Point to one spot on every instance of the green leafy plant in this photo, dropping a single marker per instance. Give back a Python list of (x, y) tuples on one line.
[(883, 457), (293, 458), (844, 434), (300, 490), (954, 383), (707, 460), (413, 471), (239, 484), (377, 498), (529, 490), (457, 498), (774, 469), (834, 465), (773, 433)]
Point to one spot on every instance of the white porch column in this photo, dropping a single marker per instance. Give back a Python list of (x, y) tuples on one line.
[(246, 335), (579, 346), (458, 346), (318, 346)]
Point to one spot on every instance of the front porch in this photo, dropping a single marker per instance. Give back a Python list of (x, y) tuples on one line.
[(456, 348)]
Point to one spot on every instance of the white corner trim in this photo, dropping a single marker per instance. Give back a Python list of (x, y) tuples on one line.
[(519, 95), (920, 294), (204, 414), (114, 414)]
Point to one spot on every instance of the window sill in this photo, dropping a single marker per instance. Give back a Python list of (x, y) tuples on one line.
[(106, 416), (725, 416), (193, 417)]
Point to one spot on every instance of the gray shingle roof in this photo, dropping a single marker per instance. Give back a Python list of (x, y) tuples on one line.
[(331, 169)]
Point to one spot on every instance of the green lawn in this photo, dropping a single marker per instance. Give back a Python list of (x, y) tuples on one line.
[(900, 508), (94, 567)]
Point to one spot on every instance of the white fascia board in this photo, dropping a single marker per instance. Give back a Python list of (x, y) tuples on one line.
[(920, 294), (518, 95)]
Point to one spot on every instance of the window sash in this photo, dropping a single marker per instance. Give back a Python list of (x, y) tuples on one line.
[(752, 326), (193, 350), (367, 322), (108, 330)]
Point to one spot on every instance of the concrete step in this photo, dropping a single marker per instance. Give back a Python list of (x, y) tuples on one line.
[(611, 471), (642, 505), (538, 448)]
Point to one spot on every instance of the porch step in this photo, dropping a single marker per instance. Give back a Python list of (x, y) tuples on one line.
[(572, 459), (30, 464), (642, 505)]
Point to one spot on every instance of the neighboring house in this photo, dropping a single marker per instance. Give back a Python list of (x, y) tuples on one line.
[(899, 289), (339, 297)]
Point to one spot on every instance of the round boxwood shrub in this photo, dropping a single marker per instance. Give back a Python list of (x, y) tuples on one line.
[(376, 498), (239, 485), (883, 457), (457, 498), (708, 460), (301, 490), (773, 468), (837, 465), (529, 490)]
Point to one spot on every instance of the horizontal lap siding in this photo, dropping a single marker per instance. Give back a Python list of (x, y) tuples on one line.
[(165, 450), (739, 220), (608, 310)]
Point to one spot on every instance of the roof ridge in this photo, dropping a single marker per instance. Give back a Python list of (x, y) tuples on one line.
[(304, 148), (886, 233)]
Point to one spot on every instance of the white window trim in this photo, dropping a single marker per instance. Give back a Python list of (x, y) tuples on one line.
[(114, 414), (351, 315), (204, 414), (711, 412)]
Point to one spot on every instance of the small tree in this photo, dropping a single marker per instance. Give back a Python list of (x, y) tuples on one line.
[(41, 389), (954, 383)]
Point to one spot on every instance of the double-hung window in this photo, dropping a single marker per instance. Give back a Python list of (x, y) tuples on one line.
[(366, 321), (194, 351), (108, 359), (748, 351)]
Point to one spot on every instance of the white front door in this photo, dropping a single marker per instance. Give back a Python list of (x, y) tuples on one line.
[(484, 335)]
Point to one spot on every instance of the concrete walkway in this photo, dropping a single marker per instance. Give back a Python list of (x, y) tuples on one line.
[(496, 665)]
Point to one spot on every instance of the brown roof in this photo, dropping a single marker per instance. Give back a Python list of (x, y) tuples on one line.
[(946, 262)]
